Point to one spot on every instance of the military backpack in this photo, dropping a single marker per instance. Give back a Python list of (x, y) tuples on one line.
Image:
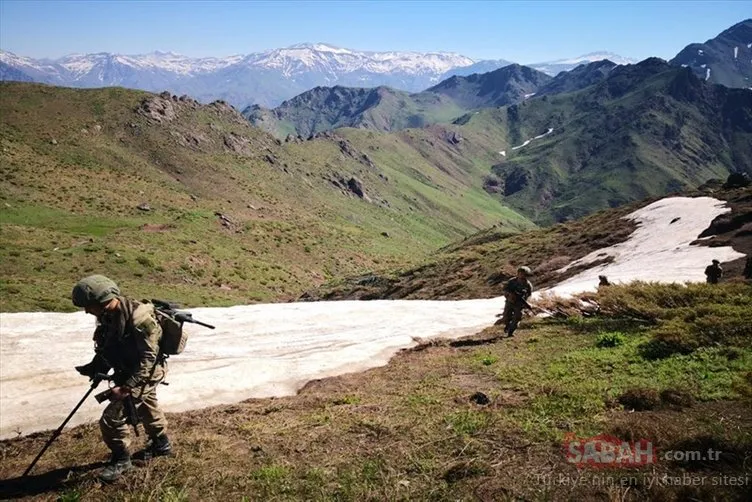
[(171, 320)]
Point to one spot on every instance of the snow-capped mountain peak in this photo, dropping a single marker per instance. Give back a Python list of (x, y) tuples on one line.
[(267, 77), (300, 58), (592, 57), (556, 66)]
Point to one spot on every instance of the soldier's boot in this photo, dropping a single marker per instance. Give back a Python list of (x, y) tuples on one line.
[(158, 447), (120, 463)]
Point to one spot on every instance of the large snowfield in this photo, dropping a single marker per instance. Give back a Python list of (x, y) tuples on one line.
[(274, 349)]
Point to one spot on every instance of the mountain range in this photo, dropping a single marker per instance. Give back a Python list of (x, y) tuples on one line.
[(385, 109), (556, 148), (265, 78)]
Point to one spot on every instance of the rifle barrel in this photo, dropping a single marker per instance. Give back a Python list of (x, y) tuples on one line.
[(203, 324)]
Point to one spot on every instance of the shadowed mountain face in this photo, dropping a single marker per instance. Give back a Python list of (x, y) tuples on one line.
[(504, 86), (578, 78), (647, 129), (325, 108), (725, 59), (386, 109)]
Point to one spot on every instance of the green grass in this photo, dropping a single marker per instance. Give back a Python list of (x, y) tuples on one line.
[(574, 382), (41, 217), (69, 209), (409, 431)]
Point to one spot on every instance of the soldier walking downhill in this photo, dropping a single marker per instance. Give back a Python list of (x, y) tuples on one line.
[(126, 340), (516, 291)]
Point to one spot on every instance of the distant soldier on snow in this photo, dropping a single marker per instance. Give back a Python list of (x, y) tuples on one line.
[(714, 272), (748, 267), (516, 291), (603, 281), (126, 340)]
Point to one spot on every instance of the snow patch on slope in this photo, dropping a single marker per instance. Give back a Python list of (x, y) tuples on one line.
[(272, 350), (658, 250), (527, 142)]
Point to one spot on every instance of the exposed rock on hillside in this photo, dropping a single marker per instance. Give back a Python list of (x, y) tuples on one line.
[(158, 108)]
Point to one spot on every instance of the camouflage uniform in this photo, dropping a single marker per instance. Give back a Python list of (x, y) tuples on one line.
[(128, 340), (713, 272), (516, 291)]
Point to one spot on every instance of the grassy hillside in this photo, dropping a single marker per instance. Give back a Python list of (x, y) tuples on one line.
[(481, 418), (234, 216), (477, 266), (645, 131), (598, 137), (326, 108)]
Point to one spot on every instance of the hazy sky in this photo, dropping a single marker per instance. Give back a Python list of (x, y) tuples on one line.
[(524, 32)]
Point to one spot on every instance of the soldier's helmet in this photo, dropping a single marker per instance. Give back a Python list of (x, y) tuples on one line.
[(525, 270), (715, 262), (94, 290)]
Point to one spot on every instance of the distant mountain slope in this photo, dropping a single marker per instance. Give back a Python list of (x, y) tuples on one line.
[(580, 77), (725, 59), (484, 66), (8, 72), (618, 134), (385, 109), (327, 108), (647, 129), (555, 67), (188, 201), (265, 78), (510, 84)]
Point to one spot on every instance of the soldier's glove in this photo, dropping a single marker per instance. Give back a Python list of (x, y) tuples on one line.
[(87, 370)]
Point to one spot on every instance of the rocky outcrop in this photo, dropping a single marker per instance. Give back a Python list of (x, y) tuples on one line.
[(237, 143), (158, 108), (356, 186), (191, 139), (453, 138)]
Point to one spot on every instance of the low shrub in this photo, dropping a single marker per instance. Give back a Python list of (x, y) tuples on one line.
[(607, 340), (683, 317)]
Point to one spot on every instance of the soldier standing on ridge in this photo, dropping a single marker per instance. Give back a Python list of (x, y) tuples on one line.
[(603, 281), (126, 340), (748, 267), (517, 290), (714, 272)]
